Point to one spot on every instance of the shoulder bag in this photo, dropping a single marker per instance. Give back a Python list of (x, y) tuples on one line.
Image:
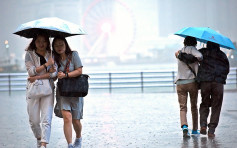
[(74, 86), (38, 89)]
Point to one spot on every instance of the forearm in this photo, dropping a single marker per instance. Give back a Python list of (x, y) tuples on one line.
[(41, 68), (44, 76), (75, 73)]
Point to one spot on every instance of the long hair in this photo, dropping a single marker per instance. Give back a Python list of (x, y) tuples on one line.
[(32, 45), (190, 41), (68, 50)]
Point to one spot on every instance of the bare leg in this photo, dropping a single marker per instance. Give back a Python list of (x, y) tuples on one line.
[(77, 127), (43, 143), (67, 127)]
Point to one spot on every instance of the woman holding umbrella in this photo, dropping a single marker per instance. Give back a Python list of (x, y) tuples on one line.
[(71, 107), (38, 61), (40, 47)]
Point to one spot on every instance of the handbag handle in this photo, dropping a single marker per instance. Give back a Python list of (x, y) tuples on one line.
[(190, 67)]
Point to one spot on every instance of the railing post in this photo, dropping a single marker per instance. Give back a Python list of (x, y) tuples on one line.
[(142, 89), (236, 77), (173, 76), (9, 84), (110, 83)]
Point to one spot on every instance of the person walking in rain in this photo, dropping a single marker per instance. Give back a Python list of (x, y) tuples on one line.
[(71, 107), (212, 75), (186, 84), (38, 61)]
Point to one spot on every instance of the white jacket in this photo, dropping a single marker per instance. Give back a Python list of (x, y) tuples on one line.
[(32, 61), (183, 71)]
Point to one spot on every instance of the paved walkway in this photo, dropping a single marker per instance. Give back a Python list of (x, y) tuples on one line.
[(120, 121)]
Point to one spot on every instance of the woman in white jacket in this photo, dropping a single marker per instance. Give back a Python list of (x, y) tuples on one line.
[(186, 84), (40, 65)]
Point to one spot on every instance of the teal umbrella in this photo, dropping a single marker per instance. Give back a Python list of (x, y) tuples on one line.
[(204, 34), (53, 26)]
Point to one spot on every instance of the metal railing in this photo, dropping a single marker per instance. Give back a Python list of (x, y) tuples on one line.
[(146, 81)]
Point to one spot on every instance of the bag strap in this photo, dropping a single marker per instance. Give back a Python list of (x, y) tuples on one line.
[(68, 63), (192, 70), (190, 67)]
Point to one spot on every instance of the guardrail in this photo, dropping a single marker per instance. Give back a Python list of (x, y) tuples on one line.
[(146, 81)]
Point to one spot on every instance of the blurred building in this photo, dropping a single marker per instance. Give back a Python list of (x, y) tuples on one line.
[(216, 14), (125, 31)]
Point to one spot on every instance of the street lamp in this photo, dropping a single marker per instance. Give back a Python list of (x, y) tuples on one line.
[(8, 53)]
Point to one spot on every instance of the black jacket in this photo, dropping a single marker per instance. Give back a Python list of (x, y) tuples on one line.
[(214, 67)]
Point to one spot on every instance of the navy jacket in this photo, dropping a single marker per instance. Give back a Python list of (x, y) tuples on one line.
[(214, 67)]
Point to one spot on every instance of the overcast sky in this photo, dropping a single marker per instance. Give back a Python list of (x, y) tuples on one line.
[(138, 25)]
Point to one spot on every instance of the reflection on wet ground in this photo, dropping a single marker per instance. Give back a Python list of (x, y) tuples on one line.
[(200, 141), (120, 120)]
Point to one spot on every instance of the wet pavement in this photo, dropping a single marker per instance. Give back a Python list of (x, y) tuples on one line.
[(149, 120)]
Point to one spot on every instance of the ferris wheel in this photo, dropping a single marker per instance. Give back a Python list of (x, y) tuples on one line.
[(111, 28)]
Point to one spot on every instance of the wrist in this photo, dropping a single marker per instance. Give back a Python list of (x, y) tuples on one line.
[(45, 66), (66, 75), (178, 54)]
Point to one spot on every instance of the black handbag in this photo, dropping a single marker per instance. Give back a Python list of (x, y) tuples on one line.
[(74, 86)]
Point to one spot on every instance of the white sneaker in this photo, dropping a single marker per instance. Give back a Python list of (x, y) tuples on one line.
[(77, 143)]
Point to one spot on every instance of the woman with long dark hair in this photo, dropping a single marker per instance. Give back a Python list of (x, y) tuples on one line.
[(40, 65), (71, 107)]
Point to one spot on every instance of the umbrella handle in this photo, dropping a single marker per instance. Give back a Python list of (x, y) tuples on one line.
[(51, 52)]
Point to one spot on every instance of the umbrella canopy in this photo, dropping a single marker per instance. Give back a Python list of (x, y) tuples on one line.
[(53, 26), (204, 34)]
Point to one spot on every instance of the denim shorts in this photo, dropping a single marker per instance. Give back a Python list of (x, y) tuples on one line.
[(72, 104)]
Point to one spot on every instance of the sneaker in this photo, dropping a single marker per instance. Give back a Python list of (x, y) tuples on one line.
[(195, 132), (203, 130), (211, 135), (38, 143), (77, 143), (185, 131), (70, 146)]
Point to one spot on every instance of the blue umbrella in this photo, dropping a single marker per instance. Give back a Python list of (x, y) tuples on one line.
[(204, 34), (51, 25)]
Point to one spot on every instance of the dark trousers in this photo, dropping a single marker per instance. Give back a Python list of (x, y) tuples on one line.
[(212, 97)]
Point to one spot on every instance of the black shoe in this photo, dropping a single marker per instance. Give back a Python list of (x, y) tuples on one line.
[(211, 135)]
